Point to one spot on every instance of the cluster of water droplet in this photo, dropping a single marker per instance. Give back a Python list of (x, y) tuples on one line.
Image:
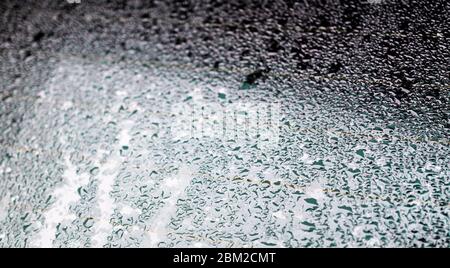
[(92, 152)]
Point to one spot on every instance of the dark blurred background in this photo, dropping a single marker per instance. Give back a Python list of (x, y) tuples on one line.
[(401, 47)]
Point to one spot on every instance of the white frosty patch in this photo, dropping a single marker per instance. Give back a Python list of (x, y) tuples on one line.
[(106, 177), (124, 136), (8, 170), (176, 186), (65, 195), (280, 215), (129, 211), (66, 105), (105, 202), (4, 205), (434, 168), (121, 93), (306, 158), (315, 191), (358, 231)]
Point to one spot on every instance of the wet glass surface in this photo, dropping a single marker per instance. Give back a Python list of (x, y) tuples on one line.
[(116, 149)]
